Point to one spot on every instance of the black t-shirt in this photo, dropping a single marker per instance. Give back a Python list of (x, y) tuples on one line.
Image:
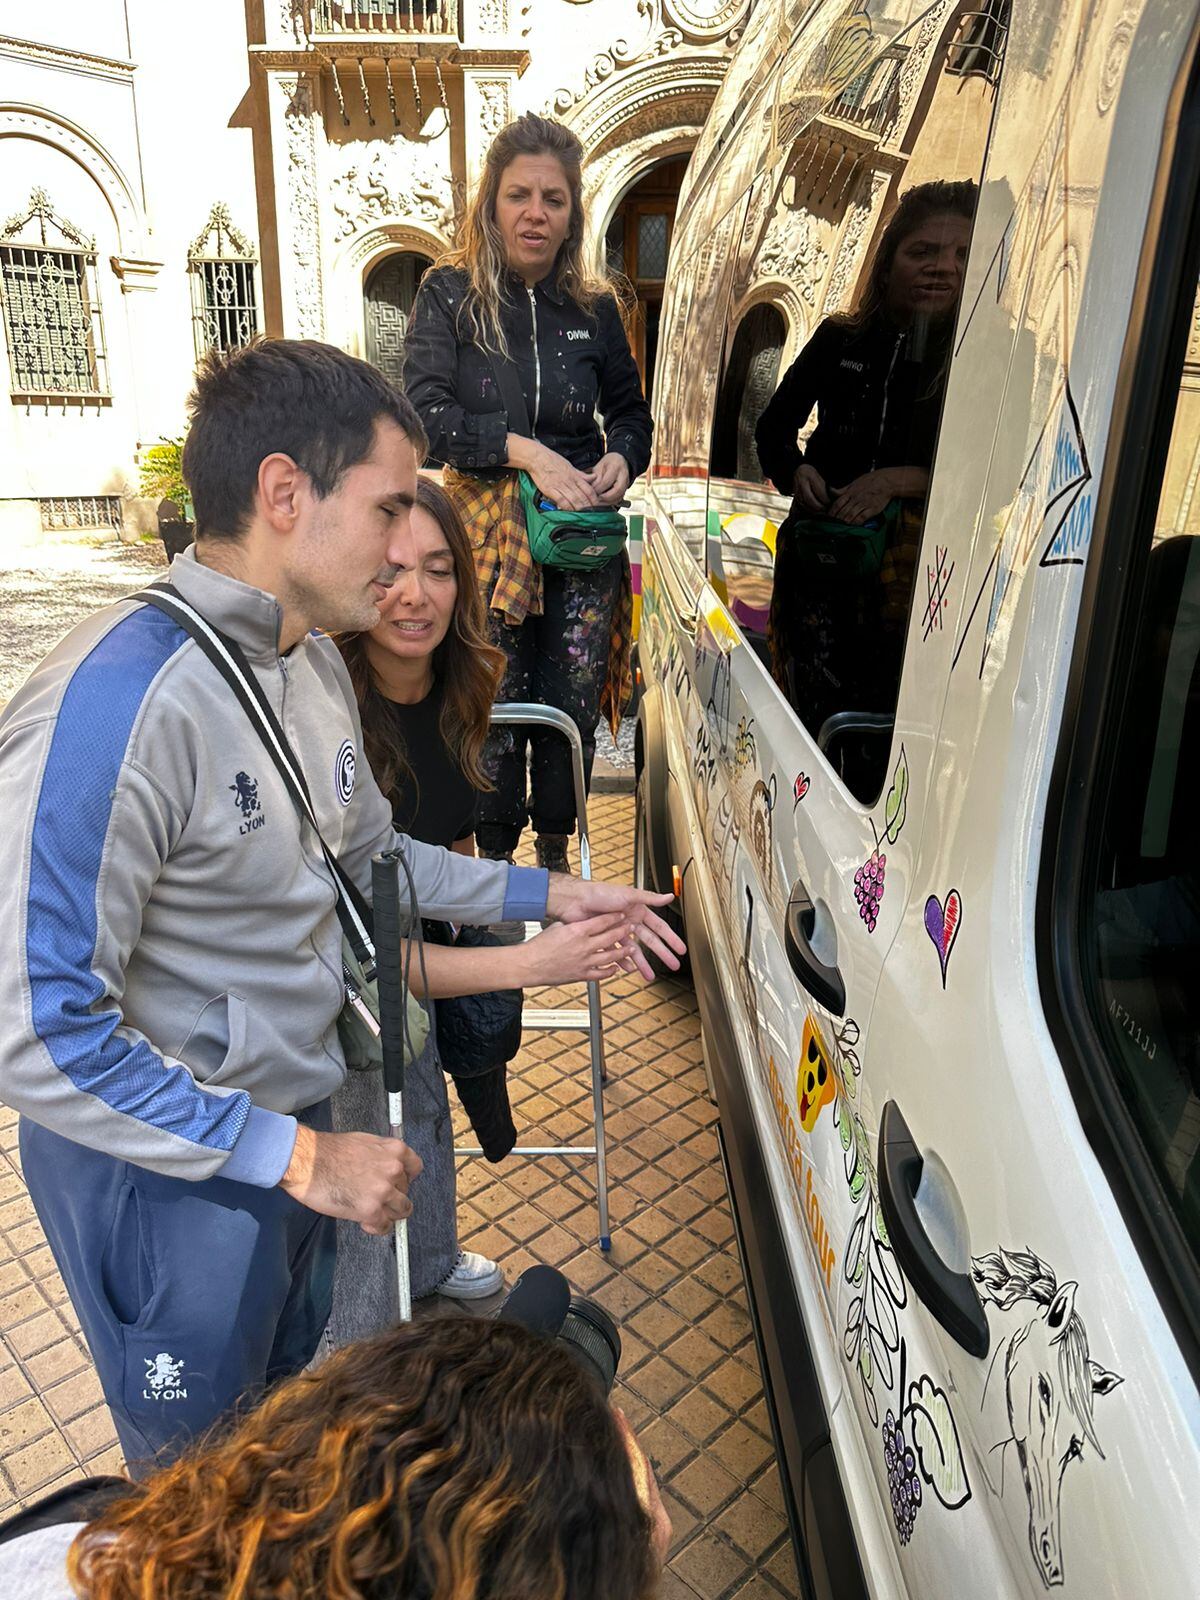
[(433, 802)]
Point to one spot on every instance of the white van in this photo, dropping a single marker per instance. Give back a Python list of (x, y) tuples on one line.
[(946, 936)]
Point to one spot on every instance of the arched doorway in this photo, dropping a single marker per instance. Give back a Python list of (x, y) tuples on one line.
[(388, 296), (751, 376), (637, 243)]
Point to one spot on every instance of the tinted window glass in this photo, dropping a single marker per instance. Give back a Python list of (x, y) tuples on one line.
[(1143, 943), (844, 295)]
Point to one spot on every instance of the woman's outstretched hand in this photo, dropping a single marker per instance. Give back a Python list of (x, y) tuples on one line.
[(610, 478), (572, 899), (575, 952)]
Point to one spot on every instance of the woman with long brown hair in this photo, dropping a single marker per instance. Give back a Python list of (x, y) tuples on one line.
[(455, 1459), (876, 376), (518, 303), (424, 678)]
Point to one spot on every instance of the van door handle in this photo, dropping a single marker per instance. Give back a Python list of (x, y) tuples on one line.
[(825, 984), (949, 1296)]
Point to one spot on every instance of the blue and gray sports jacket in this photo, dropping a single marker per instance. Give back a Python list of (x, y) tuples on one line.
[(170, 956)]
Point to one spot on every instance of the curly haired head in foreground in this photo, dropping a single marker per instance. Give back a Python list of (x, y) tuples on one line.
[(451, 1459)]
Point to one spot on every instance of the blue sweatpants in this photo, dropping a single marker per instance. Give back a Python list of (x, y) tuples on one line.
[(193, 1297)]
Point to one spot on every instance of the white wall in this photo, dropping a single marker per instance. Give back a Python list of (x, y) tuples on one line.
[(136, 159)]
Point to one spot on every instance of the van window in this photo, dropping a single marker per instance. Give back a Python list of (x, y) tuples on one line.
[(844, 295), (1141, 945)]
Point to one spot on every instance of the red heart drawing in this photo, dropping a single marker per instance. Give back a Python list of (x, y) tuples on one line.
[(800, 787), (942, 923)]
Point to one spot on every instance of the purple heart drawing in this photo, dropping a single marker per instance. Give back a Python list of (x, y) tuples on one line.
[(942, 924)]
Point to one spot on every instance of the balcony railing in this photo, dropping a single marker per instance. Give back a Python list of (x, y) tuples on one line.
[(872, 100), (385, 18)]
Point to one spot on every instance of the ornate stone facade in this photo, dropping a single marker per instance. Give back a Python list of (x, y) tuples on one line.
[(336, 135), (402, 180), (793, 251), (303, 207), (855, 233)]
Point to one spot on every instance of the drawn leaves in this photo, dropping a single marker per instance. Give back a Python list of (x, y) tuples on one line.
[(936, 1441), (872, 1333), (895, 807)]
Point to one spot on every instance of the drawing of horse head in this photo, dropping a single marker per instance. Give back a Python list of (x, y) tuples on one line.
[(1050, 1383)]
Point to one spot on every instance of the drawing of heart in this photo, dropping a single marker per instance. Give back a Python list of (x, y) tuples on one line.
[(942, 923), (800, 787)]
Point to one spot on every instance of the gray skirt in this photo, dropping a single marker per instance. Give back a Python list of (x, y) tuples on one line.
[(364, 1288)]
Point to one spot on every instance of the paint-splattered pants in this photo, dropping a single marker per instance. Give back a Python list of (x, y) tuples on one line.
[(558, 659)]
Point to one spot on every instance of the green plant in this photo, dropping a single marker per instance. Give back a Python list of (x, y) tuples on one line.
[(162, 474)]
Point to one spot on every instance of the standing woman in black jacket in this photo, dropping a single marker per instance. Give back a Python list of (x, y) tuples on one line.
[(519, 297), (876, 377)]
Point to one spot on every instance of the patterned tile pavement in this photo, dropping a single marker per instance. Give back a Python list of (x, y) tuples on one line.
[(689, 1378)]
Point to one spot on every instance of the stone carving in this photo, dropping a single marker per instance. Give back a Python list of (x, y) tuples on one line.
[(303, 207), (492, 16), (844, 277), (916, 68), (704, 20), (793, 252), (493, 106), (658, 35), (292, 20), (1116, 54), (652, 98), (404, 181)]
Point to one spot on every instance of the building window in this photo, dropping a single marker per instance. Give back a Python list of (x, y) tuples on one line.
[(223, 269), (62, 512), (51, 306), (977, 49)]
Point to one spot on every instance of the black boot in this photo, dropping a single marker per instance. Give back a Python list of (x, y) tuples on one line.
[(551, 849)]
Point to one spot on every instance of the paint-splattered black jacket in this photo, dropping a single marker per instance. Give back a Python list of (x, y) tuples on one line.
[(571, 365), (878, 404)]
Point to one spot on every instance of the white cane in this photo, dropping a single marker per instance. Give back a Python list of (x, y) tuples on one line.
[(393, 1013)]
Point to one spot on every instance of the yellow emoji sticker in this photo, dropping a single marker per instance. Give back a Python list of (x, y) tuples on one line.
[(814, 1077)]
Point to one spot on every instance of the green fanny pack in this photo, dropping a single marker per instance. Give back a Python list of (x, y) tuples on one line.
[(838, 550), (570, 538)]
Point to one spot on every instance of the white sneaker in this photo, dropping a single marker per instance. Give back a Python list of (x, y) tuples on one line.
[(474, 1278)]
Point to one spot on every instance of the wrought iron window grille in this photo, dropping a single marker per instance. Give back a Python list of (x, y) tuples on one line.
[(223, 270), (51, 302), (977, 49), (70, 512)]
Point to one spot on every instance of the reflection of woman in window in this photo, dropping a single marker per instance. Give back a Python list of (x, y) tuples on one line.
[(876, 377)]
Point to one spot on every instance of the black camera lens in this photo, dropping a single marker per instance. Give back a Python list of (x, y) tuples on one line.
[(591, 1335), (541, 1300)]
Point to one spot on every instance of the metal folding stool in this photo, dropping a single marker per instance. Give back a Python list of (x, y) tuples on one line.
[(568, 1019)]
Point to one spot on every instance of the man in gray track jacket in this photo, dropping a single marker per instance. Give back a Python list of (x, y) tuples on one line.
[(171, 970)]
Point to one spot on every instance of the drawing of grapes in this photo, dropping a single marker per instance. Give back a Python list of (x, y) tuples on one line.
[(921, 1448), (870, 877)]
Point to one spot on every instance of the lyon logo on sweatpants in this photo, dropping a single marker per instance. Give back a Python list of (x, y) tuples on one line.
[(162, 1376)]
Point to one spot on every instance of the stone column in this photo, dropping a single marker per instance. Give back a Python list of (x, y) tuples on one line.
[(297, 140), (495, 29), (489, 101)]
